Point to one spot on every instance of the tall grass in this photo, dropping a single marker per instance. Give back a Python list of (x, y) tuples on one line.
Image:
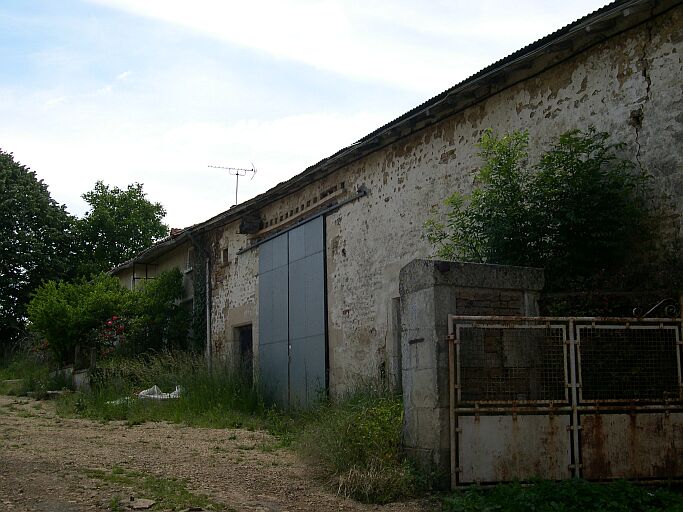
[(357, 442), (32, 375), (217, 398)]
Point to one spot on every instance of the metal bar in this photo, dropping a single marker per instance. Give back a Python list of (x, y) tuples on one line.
[(451, 405), (678, 358), (536, 319), (464, 411), (565, 355), (631, 409), (576, 461)]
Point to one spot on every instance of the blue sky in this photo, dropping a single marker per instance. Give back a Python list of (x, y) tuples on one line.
[(154, 91)]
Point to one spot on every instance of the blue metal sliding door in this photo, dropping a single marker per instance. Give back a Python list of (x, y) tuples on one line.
[(292, 319)]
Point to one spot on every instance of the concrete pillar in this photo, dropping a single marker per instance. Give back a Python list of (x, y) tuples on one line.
[(430, 291)]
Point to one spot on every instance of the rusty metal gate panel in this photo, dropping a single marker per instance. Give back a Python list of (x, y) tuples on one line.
[(629, 391), (502, 448), (510, 402), (633, 446), (599, 398)]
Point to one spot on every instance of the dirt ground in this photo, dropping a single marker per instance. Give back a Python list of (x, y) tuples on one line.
[(44, 463)]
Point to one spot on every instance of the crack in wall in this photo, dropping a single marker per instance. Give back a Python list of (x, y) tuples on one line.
[(636, 119)]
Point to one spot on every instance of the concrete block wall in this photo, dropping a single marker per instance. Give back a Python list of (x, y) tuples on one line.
[(430, 291)]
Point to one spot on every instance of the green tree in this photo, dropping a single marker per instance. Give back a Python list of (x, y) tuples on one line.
[(35, 243), (67, 314), (579, 212), (155, 318), (85, 312), (119, 224)]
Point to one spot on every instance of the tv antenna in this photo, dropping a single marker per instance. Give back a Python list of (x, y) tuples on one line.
[(236, 172)]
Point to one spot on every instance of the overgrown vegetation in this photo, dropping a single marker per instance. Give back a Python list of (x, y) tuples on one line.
[(167, 493), (565, 496), (357, 441), (580, 211), (101, 314), (217, 399), (27, 373)]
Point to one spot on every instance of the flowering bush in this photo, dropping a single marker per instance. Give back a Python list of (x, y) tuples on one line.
[(67, 314), (111, 336), (101, 314)]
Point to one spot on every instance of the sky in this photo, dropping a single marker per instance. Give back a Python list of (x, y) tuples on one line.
[(156, 91)]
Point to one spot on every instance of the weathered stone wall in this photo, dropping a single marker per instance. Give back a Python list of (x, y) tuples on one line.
[(630, 86), (233, 290), (430, 291)]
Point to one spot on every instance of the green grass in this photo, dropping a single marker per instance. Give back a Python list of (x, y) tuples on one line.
[(32, 374), (357, 443), (168, 493), (566, 496), (216, 399)]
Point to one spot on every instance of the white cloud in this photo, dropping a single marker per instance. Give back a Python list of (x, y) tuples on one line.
[(124, 75), (426, 46), (171, 113)]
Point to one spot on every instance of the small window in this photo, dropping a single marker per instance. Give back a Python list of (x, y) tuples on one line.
[(190, 259), (225, 256)]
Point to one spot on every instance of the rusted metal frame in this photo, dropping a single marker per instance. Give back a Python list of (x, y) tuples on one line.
[(574, 425), (679, 357), (522, 411), (656, 324), (515, 403), (577, 319), (455, 397), (565, 354), (634, 409), (626, 402), (451, 403)]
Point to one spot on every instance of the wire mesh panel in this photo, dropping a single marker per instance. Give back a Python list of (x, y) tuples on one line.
[(628, 362), (515, 362)]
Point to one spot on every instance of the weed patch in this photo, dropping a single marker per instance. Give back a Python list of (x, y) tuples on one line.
[(168, 493), (566, 496), (358, 443), (214, 399), (26, 373)]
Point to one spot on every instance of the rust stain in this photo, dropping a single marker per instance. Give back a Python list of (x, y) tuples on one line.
[(593, 440)]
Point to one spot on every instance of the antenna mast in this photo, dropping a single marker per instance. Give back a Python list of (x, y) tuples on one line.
[(237, 172)]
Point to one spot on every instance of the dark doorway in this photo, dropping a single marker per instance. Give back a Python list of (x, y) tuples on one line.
[(246, 348)]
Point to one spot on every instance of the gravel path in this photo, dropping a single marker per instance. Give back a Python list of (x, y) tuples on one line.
[(44, 458)]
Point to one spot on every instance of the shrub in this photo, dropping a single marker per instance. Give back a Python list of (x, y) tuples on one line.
[(155, 319), (358, 443), (67, 314), (102, 314), (578, 212)]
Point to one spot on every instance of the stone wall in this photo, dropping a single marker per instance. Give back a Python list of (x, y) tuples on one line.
[(430, 291), (630, 85)]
